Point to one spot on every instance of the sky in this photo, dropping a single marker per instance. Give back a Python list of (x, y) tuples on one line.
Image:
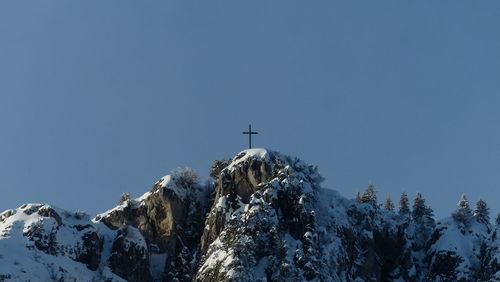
[(98, 98)]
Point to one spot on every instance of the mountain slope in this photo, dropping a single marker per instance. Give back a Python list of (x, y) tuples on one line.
[(265, 218)]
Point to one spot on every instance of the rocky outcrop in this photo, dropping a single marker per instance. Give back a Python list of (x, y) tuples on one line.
[(159, 217), (170, 218), (454, 251), (261, 198), (234, 187), (129, 255), (90, 251)]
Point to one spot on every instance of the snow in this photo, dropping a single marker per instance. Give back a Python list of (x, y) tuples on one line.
[(144, 196), (20, 260), (164, 181), (167, 183), (132, 237), (217, 257), (221, 204), (464, 244), (119, 207), (247, 154)]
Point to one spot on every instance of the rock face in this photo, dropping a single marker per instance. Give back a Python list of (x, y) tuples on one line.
[(170, 220), (265, 218), (129, 255)]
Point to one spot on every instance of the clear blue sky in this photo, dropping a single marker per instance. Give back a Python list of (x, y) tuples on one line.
[(101, 97)]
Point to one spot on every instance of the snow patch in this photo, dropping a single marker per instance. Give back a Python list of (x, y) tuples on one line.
[(247, 154)]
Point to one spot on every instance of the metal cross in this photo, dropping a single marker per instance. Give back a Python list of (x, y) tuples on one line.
[(250, 132)]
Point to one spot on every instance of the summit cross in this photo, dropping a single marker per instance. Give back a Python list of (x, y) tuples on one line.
[(250, 132)]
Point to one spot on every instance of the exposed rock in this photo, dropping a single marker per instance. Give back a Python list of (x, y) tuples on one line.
[(129, 255), (260, 197), (47, 211), (90, 252), (170, 217)]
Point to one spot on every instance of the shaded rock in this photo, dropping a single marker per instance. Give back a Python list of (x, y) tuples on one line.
[(90, 252), (129, 255)]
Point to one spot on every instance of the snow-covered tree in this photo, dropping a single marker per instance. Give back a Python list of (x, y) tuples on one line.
[(217, 167), (498, 219), (482, 212), (182, 271), (184, 177), (125, 197), (389, 205), (463, 213), (418, 207), (369, 196), (404, 206), (420, 231), (421, 212), (306, 257)]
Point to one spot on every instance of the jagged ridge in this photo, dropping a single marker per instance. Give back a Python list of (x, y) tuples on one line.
[(265, 218)]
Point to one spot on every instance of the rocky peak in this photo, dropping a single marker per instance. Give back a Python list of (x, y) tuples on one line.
[(272, 174), (259, 192)]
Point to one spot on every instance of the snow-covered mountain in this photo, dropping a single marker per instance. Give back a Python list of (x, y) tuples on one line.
[(264, 218)]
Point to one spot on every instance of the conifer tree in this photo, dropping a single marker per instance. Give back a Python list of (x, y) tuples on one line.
[(424, 223), (369, 196), (125, 197), (184, 177), (183, 272), (498, 219), (482, 212), (404, 206), (463, 213), (217, 167), (389, 205), (429, 218), (418, 207), (358, 197), (421, 212)]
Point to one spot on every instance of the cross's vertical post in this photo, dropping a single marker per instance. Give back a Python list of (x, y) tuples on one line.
[(250, 132)]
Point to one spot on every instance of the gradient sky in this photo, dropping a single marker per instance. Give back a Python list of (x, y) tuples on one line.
[(102, 97)]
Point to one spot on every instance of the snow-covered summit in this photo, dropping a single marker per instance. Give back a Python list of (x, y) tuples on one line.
[(258, 153)]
